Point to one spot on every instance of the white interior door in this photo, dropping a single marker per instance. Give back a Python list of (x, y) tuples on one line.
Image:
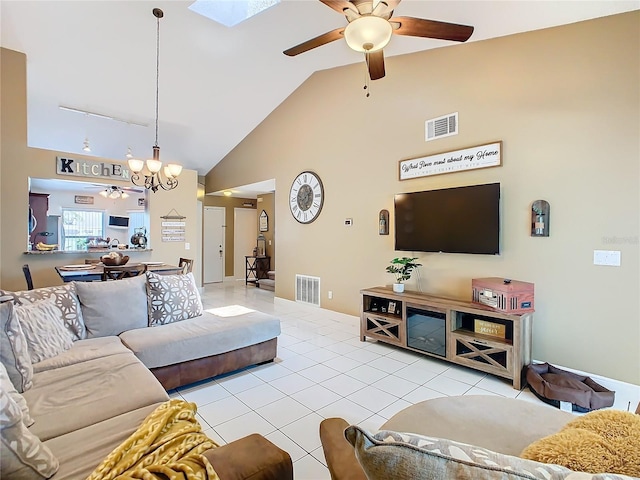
[(213, 248), (245, 236), (197, 267)]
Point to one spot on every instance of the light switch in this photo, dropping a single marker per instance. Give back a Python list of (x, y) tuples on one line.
[(606, 257), (187, 246)]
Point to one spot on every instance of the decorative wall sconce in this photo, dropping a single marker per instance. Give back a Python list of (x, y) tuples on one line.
[(383, 222), (540, 211)]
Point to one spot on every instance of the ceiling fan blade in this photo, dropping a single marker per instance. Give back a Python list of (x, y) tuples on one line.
[(419, 27), (340, 5), (375, 62), (318, 41)]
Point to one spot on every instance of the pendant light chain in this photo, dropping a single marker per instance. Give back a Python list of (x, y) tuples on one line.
[(157, 72), (154, 177)]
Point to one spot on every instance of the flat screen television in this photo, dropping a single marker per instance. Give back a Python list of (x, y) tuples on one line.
[(453, 220), (118, 221)]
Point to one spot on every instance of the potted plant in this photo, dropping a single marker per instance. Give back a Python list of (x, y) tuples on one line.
[(402, 268)]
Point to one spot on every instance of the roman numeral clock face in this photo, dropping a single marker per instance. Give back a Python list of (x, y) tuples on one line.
[(306, 197)]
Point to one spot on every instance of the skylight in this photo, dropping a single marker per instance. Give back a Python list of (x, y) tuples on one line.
[(230, 12)]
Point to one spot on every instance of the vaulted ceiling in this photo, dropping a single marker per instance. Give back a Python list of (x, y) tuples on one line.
[(216, 83)]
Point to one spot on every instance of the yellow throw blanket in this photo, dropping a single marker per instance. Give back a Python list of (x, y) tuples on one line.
[(168, 445)]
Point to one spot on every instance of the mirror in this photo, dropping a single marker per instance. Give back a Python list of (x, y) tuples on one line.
[(84, 215)]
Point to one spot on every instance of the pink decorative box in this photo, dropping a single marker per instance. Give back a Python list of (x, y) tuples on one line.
[(508, 296)]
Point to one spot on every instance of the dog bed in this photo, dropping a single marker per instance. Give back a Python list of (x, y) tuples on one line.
[(553, 385)]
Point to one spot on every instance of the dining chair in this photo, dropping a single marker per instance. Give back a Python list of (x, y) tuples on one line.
[(27, 276), (186, 264), (123, 271)]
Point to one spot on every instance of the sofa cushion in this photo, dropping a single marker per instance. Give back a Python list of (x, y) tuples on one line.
[(82, 351), (14, 352), (389, 454), (65, 299), (110, 308), (44, 329), (97, 440), (199, 337), (23, 455), (66, 399), (172, 298), (8, 387)]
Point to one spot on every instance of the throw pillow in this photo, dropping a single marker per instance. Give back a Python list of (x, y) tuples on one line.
[(172, 298), (600, 441), (65, 299), (22, 455), (110, 308), (14, 352), (390, 454), (7, 386), (44, 329)]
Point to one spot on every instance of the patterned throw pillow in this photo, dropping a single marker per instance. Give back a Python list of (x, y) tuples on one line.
[(7, 386), (22, 455), (66, 300), (14, 352), (44, 329), (172, 298), (390, 454)]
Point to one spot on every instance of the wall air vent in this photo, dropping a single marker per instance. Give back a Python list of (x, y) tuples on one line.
[(308, 290), (444, 126)]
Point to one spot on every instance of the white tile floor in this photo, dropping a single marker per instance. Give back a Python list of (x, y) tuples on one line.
[(323, 370)]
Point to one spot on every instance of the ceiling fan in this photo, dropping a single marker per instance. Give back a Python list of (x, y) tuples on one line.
[(370, 28), (113, 191)]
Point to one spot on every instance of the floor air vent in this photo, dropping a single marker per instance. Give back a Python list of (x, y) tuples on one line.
[(308, 290), (441, 127)]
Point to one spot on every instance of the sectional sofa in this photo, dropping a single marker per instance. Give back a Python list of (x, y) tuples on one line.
[(90, 361)]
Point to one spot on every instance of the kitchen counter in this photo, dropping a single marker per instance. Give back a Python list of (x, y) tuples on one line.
[(88, 251)]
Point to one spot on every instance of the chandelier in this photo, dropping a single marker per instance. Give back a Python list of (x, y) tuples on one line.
[(114, 192), (152, 177)]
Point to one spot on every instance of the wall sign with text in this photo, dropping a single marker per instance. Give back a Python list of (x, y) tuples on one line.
[(92, 169), (481, 156)]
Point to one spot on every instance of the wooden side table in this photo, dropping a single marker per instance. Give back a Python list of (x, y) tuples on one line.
[(256, 268)]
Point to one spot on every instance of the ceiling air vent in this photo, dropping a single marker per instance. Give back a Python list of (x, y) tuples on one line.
[(441, 127)]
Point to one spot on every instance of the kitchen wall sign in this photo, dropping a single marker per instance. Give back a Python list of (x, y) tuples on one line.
[(91, 169)]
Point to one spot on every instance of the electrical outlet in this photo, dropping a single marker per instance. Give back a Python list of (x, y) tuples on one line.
[(348, 222), (606, 257), (330, 294)]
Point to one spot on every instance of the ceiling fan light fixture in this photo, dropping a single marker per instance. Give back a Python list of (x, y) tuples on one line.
[(368, 33)]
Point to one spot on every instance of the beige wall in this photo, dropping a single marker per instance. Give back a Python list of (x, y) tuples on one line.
[(564, 101), (19, 162), (229, 203)]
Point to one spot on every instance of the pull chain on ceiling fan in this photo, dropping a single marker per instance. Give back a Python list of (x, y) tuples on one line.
[(370, 29)]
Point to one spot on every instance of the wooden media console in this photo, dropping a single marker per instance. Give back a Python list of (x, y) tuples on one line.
[(457, 331)]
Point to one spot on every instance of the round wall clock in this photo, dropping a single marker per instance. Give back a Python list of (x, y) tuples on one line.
[(306, 197)]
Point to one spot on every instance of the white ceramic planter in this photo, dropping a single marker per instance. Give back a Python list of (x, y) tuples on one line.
[(398, 287)]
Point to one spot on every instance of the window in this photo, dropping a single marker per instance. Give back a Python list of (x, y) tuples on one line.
[(79, 226)]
